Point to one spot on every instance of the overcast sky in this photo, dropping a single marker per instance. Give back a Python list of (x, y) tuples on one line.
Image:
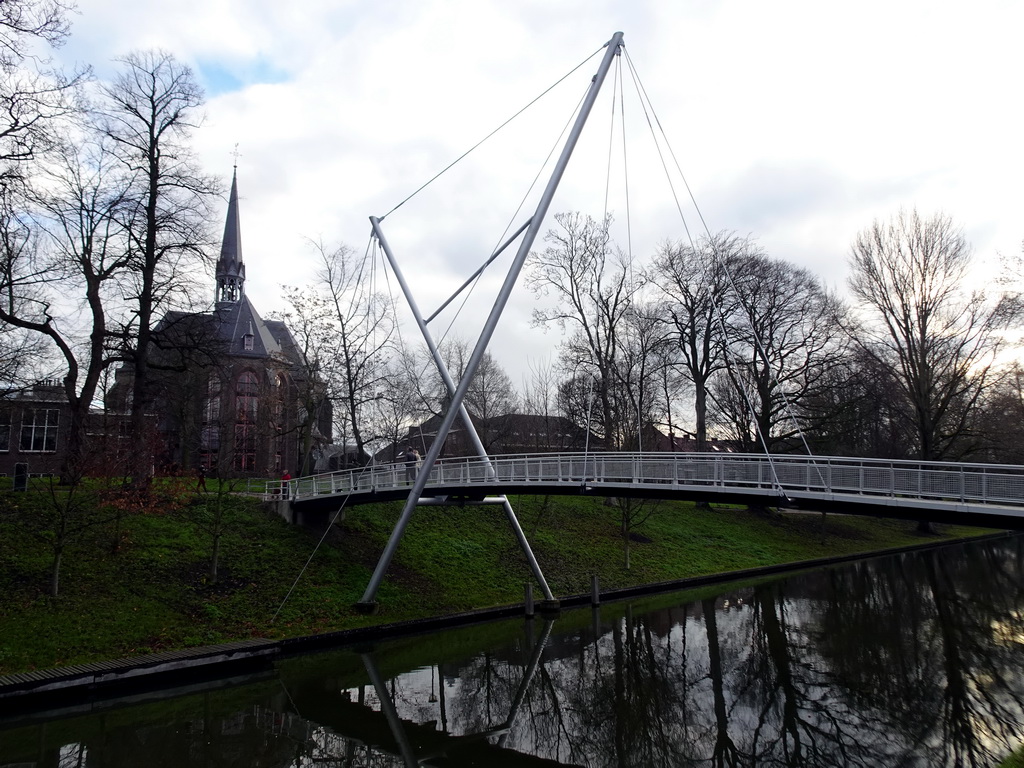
[(797, 123)]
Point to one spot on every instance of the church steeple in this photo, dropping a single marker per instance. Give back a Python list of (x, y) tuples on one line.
[(230, 268)]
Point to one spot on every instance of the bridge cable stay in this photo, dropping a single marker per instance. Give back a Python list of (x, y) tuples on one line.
[(461, 157), (360, 281), (586, 438), (312, 554), (652, 121), (649, 115), (620, 93), (367, 602), (473, 280), (369, 256), (646, 103)]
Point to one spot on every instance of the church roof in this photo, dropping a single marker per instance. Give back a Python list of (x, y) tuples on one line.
[(239, 319), (235, 326)]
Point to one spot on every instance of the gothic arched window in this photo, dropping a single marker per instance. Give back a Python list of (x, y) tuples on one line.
[(279, 418), (246, 413), (209, 436)]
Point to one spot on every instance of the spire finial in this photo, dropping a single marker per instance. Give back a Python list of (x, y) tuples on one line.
[(236, 154)]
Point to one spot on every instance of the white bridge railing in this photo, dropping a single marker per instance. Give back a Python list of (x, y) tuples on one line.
[(799, 477)]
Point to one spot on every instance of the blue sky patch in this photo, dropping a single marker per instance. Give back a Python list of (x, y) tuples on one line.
[(220, 77)]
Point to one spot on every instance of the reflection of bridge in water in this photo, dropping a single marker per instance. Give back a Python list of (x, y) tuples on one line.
[(979, 494), (383, 731)]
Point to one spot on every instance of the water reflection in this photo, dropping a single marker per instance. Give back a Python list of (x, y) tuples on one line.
[(912, 660)]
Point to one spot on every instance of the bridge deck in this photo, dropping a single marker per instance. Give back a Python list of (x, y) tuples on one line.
[(985, 494)]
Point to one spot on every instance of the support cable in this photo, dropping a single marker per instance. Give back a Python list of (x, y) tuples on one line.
[(652, 120), (498, 248), (488, 136), (313, 554), (475, 280)]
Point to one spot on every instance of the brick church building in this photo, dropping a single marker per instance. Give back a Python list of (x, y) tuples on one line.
[(233, 395)]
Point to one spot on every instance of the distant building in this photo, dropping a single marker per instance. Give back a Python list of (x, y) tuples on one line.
[(33, 428), (510, 433), (517, 433)]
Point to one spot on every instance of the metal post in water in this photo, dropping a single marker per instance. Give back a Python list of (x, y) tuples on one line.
[(595, 591), (528, 600)]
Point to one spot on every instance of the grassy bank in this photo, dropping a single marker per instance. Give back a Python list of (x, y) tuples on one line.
[(143, 584)]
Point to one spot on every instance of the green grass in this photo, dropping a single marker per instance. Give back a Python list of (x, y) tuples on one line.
[(1015, 760), (154, 593)]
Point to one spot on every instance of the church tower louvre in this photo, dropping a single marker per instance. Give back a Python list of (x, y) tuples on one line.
[(230, 267)]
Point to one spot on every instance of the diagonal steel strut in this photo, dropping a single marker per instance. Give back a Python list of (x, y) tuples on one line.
[(470, 427), (612, 49)]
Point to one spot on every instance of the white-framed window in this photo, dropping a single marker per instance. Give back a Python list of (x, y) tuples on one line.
[(39, 430), (5, 431)]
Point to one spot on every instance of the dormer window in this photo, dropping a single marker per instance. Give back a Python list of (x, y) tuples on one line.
[(247, 342)]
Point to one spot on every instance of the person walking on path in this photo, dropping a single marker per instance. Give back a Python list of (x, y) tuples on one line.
[(412, 460)]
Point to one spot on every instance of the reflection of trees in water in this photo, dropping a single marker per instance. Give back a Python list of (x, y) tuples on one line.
[(944, 674), (912, 660)]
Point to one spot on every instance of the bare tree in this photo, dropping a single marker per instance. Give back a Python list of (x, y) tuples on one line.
[(33, 95), (694, 281), (785, 337), (149, 112), (540, 391), (310, 318), (593, 285), (64, 243), (1002, 417), (910, 277), (489, 397), (855, 410), (366, 326), (398, 403), (345, 332)]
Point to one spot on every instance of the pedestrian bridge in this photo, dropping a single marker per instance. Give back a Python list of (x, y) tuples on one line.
[(980, 494)]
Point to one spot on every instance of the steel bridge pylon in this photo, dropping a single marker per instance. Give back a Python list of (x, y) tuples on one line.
[(367, 602)]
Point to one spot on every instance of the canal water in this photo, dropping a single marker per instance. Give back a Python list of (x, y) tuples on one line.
[(909, 660)]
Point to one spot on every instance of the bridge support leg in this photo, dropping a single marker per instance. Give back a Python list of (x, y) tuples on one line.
[(517, 529), (458, 393)]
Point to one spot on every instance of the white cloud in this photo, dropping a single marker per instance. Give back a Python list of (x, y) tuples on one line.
[(796, 121)]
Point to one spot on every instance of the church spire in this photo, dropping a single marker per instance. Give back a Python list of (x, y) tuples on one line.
[(230, 268)]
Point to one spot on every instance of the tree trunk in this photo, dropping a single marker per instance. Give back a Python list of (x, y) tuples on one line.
[(625, 541), (58, 556), (700, 409), (214, 558)]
